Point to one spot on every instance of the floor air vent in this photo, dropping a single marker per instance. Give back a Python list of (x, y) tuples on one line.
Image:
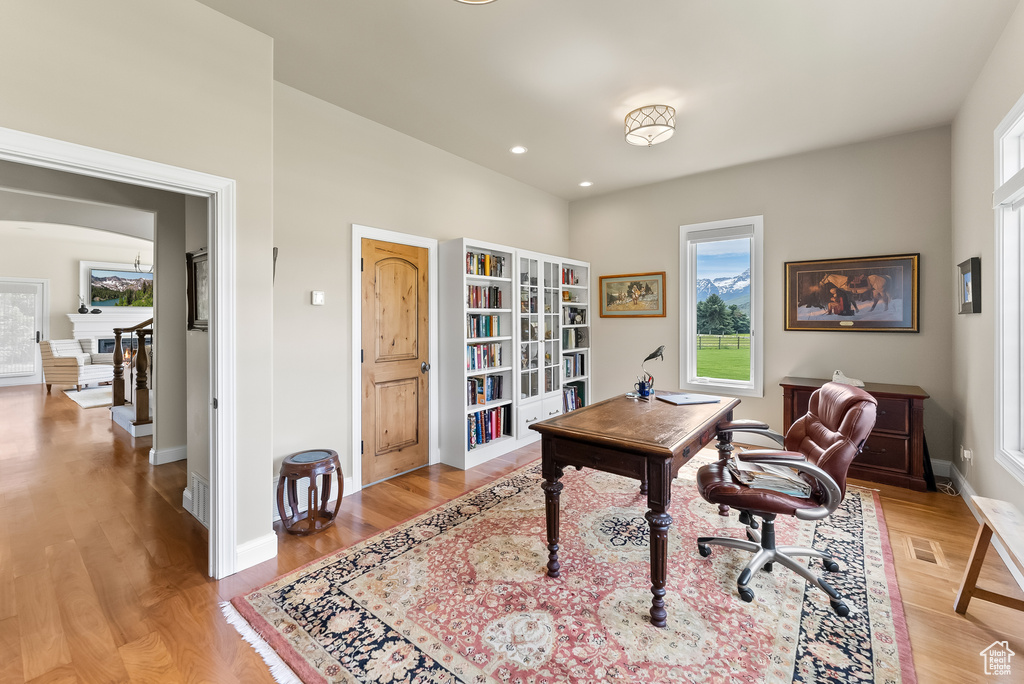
[(200, 499)]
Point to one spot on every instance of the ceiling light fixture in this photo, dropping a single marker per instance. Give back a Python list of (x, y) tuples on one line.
[(474, 2), (586, 184), (518, 149), (649, 125)]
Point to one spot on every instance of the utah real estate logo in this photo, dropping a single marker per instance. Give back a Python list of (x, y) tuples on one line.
[(997, 658)]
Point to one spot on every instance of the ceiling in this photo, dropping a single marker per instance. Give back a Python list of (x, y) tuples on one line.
[(40, 216), (750, 79)]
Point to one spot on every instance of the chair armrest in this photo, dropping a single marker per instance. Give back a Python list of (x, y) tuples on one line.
[(63, 362), (770, 456), (103, 359), (829, 488), (755, 427)]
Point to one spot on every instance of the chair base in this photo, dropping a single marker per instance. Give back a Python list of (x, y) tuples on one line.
[(766, 553)]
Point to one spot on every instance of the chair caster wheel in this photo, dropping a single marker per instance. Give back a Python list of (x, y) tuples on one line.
[(704, 550), (748, 595), (841, 609), (830, 565)]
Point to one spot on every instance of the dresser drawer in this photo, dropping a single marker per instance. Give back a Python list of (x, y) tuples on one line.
[(893, 415), (884, 452)]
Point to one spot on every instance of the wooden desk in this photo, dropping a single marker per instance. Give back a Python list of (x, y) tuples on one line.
[(646, 440), (1003, 521), (894, 452)]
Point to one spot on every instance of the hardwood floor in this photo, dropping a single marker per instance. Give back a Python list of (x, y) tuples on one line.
[(103, 574)]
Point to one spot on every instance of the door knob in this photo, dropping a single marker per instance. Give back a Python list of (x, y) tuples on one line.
[(424, 367)]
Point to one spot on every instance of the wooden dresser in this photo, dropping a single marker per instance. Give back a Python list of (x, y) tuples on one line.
[(894, 452)]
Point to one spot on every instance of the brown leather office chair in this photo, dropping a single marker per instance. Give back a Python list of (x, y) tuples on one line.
[(820, 445)]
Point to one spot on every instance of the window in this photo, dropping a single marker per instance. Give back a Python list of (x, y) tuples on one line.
[(720, 302), (1009, 209)]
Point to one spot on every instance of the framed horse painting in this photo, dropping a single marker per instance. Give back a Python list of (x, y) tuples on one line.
[(864, 294)]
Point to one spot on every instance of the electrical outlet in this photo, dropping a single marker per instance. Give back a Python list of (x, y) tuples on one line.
[(317, 298), (965, 453)]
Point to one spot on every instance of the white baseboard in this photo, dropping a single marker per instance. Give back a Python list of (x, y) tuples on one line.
[(256, 551), (941, 468), (966, 492), (303, 505), (169, 455)]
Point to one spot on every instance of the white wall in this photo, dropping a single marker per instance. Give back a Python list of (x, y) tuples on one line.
[(333, 168), (54, 253), (889, 196), (175, 82), (997, 89)]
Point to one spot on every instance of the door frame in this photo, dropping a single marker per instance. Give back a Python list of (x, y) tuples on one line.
[(36, 150), (355, 418), (44, 329)]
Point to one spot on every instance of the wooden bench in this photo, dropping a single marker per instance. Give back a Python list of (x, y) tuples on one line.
[(1006, 523)]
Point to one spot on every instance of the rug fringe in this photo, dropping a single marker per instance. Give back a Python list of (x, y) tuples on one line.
[(278, 669)]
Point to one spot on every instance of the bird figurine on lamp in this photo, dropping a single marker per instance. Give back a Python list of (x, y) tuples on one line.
[(645, 382)]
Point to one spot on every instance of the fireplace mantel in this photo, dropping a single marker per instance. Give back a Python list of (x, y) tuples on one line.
[(101, 326)]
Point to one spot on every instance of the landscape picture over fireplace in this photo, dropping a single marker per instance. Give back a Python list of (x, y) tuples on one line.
[(120, 288)]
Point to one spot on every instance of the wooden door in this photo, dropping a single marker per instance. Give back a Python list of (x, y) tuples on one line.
[(395, 359)]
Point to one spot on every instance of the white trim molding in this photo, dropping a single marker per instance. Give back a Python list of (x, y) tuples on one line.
[(256, 551), (35, 150), (358, 233), (752, 228), (1009, 291), (159, 457)]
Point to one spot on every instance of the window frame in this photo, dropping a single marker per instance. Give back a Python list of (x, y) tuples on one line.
[(690, 235), (1008, 207)]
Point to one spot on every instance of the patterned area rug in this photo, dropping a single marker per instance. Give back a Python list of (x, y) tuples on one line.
[(459, 594)]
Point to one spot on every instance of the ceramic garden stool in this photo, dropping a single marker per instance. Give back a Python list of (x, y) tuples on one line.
[(317, 463)]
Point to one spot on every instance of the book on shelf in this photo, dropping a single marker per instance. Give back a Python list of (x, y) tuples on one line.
[(483, 355), (483, 325), (483, 297), (773, 477), (574, 365), (484, 264), (487, 425), (484, 389), (575, 338), (571, 399)]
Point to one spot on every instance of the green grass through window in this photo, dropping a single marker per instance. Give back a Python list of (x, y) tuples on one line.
[(725, 364)]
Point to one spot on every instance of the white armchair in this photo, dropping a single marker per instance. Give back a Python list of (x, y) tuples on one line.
[(71, 362)]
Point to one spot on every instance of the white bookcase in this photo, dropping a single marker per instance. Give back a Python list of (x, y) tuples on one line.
[(477, 351), (576, 312), (508, 363), (539, 343)]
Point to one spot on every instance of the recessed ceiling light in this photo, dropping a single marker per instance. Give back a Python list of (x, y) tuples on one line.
[(586, 184), (518, 149), (474, 2)]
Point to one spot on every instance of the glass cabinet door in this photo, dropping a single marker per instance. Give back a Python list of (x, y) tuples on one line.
[(530, 324), (552, 313)]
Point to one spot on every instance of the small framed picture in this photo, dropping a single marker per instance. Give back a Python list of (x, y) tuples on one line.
[(635, 295), (969, 285), (198, 278)]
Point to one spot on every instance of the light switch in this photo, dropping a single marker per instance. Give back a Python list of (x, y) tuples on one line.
[(318, 298)]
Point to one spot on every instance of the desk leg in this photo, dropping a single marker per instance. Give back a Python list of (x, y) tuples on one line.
[(659, 479), (552, 490), (970, 580)]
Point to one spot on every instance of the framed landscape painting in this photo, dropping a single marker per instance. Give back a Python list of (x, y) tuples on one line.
[(865, 294), (633, 295), (970, 286)]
